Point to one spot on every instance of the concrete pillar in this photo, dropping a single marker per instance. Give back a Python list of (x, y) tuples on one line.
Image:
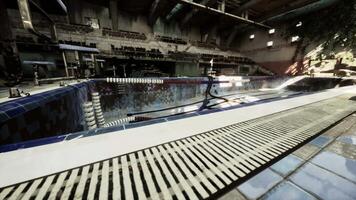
[(9, 49), (113, 8), (222, 6), (232, 36), (75, 11), (245, 14), (187, 69), (5, 33), (212, 33), (65, 64)]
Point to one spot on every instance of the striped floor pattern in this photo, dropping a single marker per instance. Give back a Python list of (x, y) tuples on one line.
[(192, 168)]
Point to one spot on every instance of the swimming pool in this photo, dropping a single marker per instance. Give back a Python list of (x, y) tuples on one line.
[(57, 115)]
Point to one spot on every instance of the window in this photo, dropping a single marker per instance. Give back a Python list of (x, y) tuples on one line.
[(93, 22), (270, 44), (272, 31), (295, 38)]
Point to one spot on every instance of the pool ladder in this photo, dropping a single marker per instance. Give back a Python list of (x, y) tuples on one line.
[(120, 121), (94, 116), (89, 115)]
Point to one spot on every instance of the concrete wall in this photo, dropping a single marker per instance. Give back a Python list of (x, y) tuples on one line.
[(79, 10), (187, 69), (278, 58)]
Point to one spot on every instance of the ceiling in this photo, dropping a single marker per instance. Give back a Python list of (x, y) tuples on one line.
[(258, 10)]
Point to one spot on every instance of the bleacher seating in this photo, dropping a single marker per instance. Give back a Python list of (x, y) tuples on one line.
[(137, 52), (168, 39), (182, 55), (224, 59), (141, 52), (124, 34), (24, 39), (83, 44), (77, 28), (205, 45)]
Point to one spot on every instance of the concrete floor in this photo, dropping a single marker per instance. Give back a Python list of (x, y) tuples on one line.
[(31, 88), (325, 168)]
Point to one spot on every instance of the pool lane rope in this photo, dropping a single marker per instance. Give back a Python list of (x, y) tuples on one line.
[(97, 109), (121, 121), (135, 80), (89, 115)]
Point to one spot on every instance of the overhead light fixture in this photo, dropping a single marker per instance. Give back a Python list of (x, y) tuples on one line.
[(295, 38), (270, 44), (271, 31), (252, 36), (299, 24)]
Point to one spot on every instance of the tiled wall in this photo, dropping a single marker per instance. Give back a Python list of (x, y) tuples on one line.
[(118, 101), (59, 112), (46, 114)]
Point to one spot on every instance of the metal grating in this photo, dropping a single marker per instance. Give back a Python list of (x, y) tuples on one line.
[(192, 168)]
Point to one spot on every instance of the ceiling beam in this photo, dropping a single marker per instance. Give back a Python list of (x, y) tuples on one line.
[(160, 8), (232, 36), (221, 13), (287, 14), (319, 5), (238, 11), (153, 16), (244, 7), (189, 16), (175, 11)]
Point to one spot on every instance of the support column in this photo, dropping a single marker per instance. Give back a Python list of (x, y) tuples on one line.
[(236, 29), (113, 9), (222, 6), (75, 12), (65, 64), (153, 16), (232, 36), (5, 33), (9, 49), (211, 33)]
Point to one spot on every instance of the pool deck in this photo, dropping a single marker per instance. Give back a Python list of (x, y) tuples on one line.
[(325, 168), (28, 87), (26, 164)]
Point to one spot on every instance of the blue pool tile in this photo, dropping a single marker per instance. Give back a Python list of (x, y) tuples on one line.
[(259, 184), (72, 136), (111, 129), (31, 143), (324, 184), (3, 117), (172, 118), (209, 111), (31, 106), (144, 123), (58, 93), (320, 141), (15, 111), (30, 103), (42, 99), (286, 165), (287, 189), (348, 139), (26, 100), (234, 107), (8, 106), (99, 131), (340, 165)]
